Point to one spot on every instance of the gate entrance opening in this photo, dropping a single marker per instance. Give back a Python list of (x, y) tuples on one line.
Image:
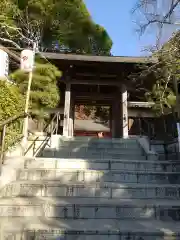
[(90, 120)]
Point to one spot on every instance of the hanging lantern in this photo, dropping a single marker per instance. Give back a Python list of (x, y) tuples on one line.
[(27, 60), (4, 64)]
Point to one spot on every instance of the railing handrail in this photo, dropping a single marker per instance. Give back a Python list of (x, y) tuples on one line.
[(44, 129), (11, 120), (164, 140), (165, 145), (141, 131), (3, 126), (14, 118), (51, 120)]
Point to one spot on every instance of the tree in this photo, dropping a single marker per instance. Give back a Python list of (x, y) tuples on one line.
[(163, 97), (11, 101), (100, 42), (161, 76), (11, 104), (44, 90), (44, 94), (56, 25), (156, 13)]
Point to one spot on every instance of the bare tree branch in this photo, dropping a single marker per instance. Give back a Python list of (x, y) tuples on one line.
[(152, 16)]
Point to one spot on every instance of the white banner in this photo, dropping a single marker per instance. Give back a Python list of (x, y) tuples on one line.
[(27, 60)]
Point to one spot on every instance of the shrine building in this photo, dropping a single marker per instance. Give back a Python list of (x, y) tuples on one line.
[(101, 81)]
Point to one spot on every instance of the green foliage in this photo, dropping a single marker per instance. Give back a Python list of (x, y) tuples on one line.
[(102, 113), (44, 90), (66, 22), (167, 70), (163, 97), (162, 77), (11, 101), (11, 105), (156, 15), (101, 43)]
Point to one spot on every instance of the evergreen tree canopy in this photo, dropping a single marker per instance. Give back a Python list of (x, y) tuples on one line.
[(44, 90), (11, 101), (12, 104), (57, 24)]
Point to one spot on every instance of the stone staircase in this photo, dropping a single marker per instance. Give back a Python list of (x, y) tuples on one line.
[(83, 189)]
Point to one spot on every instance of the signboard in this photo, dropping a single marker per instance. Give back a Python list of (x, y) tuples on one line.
[(27, 60)]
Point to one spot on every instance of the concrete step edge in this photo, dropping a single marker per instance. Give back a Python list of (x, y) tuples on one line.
[(87, 225), (95, 160), (84, 139), (58, 201), (94, 171), (100, 184), (126, 152)]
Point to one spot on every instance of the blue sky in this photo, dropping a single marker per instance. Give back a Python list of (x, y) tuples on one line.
[(116, 17)]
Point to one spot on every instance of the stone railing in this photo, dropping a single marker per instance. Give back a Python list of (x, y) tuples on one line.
[(167, 150), (148, 149)]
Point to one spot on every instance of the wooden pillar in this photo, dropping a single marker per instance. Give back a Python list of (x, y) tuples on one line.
[(120, 114), (67, 110), (110, 120), (113, 120), (71, 117), (124, 112), (117, 116)]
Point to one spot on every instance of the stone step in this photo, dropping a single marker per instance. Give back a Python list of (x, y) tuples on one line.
[(105, 164), (118, 153), (98, 190), (35, 201), (100, 150), (87, 229), (57, 141), (52, 152), (93, 176), (22, 207), (63, 139), (100, 145)]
